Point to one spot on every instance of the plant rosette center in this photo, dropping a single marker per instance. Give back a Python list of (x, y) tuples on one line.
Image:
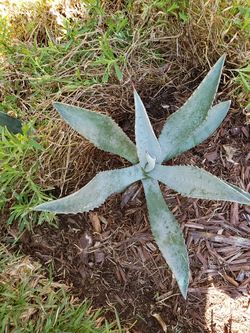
[(150, 163), (193, 123)]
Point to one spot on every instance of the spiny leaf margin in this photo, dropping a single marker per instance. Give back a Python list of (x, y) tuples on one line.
[(99, 129), (213, 120), (95, 192), (197, 183), (181, 124)]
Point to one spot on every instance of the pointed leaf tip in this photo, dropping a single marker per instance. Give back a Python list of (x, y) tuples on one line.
[(197, 183), (99, 129), (214, 118), (167, 234), (146, 140), (184, 122), (94, 194)]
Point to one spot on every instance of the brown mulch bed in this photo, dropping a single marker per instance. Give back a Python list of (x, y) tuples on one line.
[(109, 255)]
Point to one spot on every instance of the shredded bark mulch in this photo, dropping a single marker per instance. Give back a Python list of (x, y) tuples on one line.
[(109, 254)]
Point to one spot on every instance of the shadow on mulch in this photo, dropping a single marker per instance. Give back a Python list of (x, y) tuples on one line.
[(109, 255)]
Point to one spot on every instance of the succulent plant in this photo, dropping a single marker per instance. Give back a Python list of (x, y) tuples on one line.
[(194, 122)]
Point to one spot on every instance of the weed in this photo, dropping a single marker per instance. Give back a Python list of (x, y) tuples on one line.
[(50, 52), (239, 12), (19, 155), (13, 125), (244, 79), (109, 60)]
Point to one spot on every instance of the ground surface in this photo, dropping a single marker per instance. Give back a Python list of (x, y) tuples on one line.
[(62, 51), (109, 255)]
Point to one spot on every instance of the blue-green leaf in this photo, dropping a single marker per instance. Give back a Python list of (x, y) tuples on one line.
[(14, 125), (180, 125), (99, 129), (197, 183), (213, 120), (95, 192), (146, 141), (167, 234)]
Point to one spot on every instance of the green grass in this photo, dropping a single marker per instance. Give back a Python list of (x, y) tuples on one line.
[(239, 13), (19, 186), (48, 56), (55, 62), (243, 79), (29, 302)]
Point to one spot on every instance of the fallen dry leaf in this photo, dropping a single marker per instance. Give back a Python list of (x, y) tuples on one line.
[(212, 156), (129, 194), (94, 219), (230, 151)]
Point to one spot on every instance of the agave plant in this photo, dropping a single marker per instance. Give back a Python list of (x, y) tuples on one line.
[(194, 122)]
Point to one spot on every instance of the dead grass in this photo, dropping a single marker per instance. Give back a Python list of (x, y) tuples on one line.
[(162, 52), (186, 51), (31, 302), (163, 56)]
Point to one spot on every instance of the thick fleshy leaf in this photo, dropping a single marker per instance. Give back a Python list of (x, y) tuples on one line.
[(150, 163), (213, 120), (180, 125), (167, 234), (14, 125), (193, 182), (146, 141), (99, 129), (95, 192)]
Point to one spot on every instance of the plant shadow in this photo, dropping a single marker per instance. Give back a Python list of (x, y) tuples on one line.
[(123, 269)]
